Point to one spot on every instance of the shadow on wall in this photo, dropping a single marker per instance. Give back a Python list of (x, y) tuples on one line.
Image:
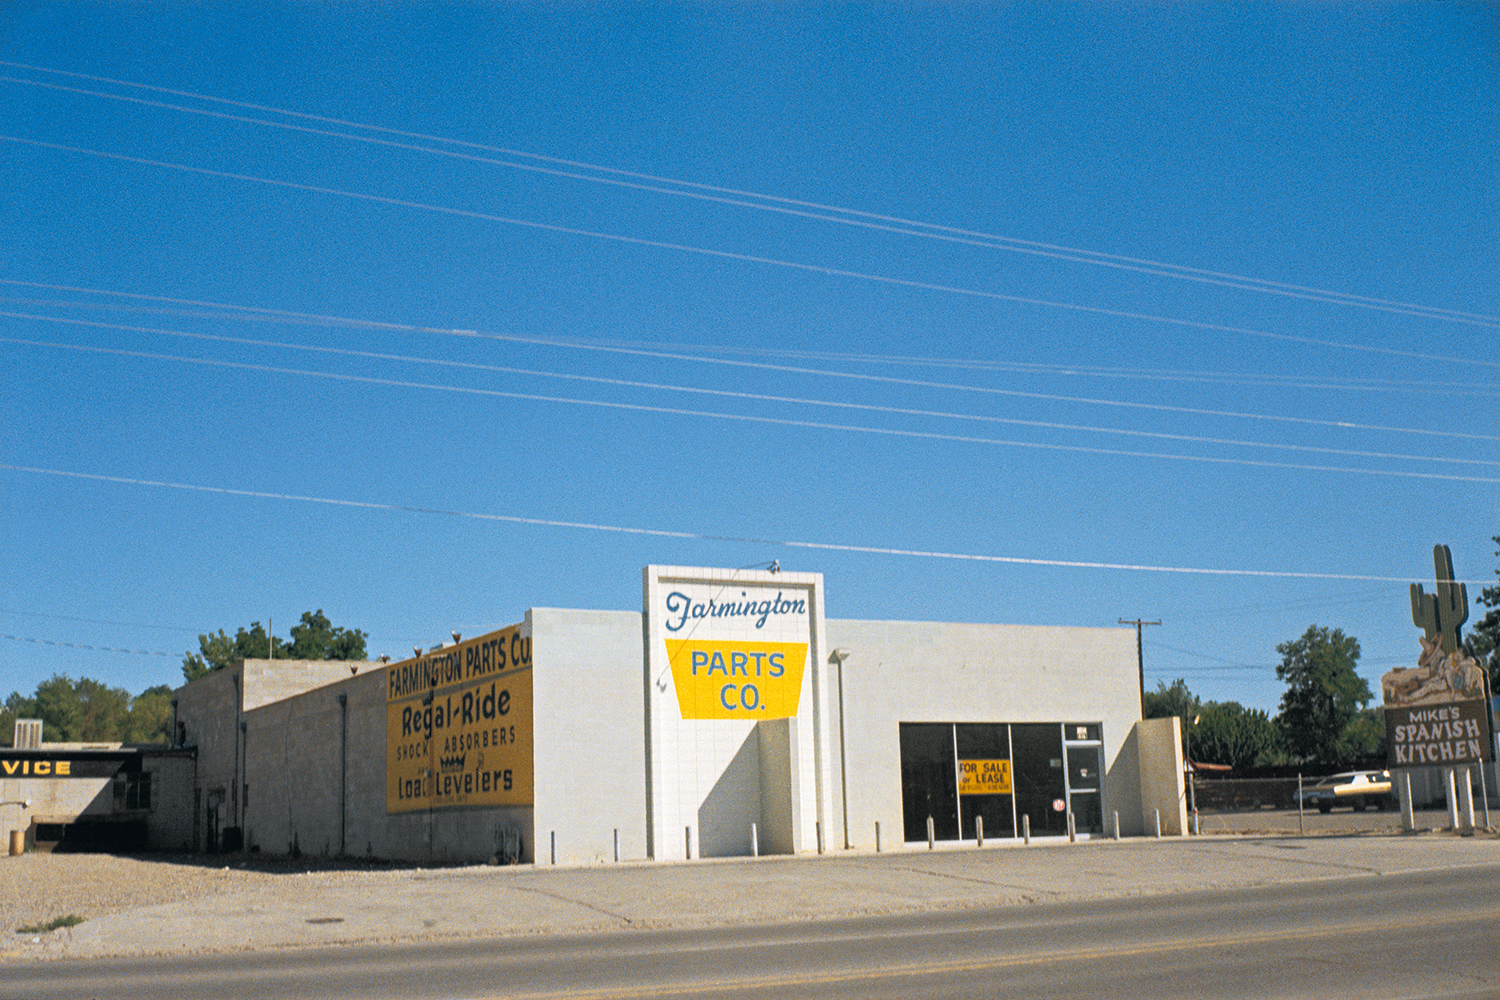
[(732, 805)]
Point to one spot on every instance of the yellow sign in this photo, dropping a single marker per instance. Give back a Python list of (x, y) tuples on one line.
[(984, 777), (458, 726), (731, 679)]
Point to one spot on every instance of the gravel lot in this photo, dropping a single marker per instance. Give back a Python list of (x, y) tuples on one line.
[(35, 888)]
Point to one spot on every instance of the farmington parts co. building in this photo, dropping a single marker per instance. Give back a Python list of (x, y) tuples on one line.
[(728, 717)]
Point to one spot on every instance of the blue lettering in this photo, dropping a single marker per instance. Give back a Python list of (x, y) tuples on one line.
[(717, 663), (746, 701), (737, 663), (724, 700), (777, 666), (700, 659), (679, 605)]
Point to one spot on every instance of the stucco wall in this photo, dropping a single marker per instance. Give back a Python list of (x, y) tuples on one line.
[(943, 672), (1162, 784)]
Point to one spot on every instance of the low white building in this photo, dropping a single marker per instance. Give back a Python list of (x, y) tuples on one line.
[(727, 717), (70, 796)]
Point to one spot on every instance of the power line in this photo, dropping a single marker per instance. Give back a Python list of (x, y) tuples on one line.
[(97, 621), (763, 366), (778, 421), (726, 393), (696, 536), (742, 257), (765, 202), (79, 645), (1272, 379)]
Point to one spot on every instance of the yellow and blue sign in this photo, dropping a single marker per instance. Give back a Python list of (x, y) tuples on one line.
[(737, 679), (458, 726)]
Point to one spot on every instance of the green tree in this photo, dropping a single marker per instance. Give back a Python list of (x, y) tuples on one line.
[(1483, 640), (1229, 733), (1324, 694), (215, 652), (72, 711), (16, 707), (89, 710), (1166, 702), (316, 638), (150, 716)]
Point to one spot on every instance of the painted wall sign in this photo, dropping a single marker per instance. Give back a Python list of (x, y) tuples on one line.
[(55, 764), (733, 679), (683, 610), (984, 777), (459, 726)]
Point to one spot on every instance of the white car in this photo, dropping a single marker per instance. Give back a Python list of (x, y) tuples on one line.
[(1352, 788)]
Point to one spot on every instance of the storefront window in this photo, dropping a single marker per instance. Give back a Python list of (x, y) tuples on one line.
[(957, 773), (929, 783)]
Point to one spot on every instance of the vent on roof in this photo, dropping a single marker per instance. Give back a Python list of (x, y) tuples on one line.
[(28, 734)]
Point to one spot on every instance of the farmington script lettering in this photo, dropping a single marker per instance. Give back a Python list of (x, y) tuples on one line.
[(681, 607)]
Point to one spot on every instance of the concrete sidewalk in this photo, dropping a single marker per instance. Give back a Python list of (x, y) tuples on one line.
[(345, 907)]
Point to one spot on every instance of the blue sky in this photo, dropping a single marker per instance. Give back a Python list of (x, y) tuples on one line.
[(376, 308)]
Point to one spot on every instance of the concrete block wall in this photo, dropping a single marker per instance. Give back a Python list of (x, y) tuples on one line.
[(170, 827), (709, 774), (1163, 786), (590, 734), (944, 672)]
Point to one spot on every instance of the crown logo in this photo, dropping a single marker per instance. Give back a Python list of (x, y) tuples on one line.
[(450, 764)]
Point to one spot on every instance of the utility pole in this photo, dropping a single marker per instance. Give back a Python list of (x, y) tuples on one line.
[(1140, 657)]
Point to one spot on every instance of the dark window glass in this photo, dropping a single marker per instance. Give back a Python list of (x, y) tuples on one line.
[(1083, 768), (1087, 812), (1037, 776), (985, 741), (928, 784)]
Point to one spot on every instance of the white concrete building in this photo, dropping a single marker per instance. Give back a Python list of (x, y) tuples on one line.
[(728, 716)]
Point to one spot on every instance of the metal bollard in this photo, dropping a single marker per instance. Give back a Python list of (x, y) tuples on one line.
[(1026, 827), (877, 836), (687, 841), (1117, 824), (979, 830), (1158, 823), (754, 841), (929, 833), (617, 845), (820, 836), (1072, 830), (554, 847)]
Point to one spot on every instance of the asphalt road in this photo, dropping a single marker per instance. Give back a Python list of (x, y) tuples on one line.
[(1423, 934)]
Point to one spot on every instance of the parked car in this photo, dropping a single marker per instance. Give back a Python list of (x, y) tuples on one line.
[(1351, 788)]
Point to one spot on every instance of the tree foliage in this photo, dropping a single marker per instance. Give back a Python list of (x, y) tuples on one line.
[(1323, 697), (316, 638), (1229, 733), (87, 710), (1483, 640), (1165, 702)]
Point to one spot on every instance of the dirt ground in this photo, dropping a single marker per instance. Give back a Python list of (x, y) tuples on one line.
[(38, 887)]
